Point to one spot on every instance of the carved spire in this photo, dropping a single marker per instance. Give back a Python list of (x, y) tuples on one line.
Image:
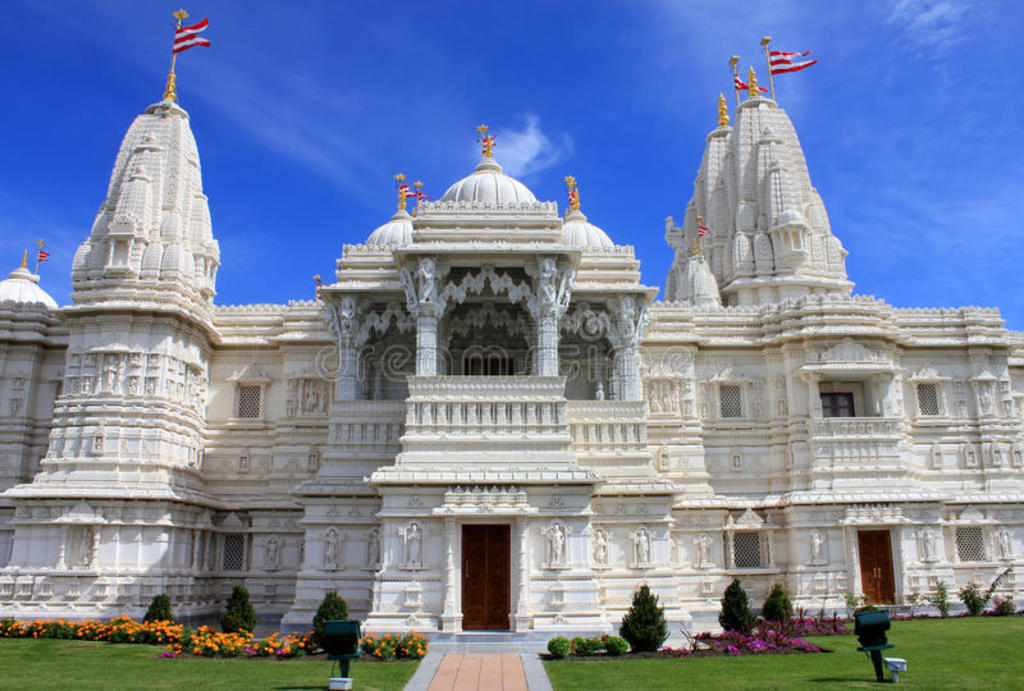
[(723, 112)]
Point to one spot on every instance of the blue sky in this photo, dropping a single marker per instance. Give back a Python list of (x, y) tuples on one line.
[(304, 111)]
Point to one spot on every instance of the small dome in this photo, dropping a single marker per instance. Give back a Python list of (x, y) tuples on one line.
[(21, 287), (578, 232), (698, 285), (395, 233), (488, 184), (790, 217)]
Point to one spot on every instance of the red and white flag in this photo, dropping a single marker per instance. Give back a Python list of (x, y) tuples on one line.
[(42, 256), (188, 36), (782, 61), (742, 85), (702, 232)]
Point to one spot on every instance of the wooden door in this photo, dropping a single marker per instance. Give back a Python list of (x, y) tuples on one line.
[(876, 566), (486, 582)]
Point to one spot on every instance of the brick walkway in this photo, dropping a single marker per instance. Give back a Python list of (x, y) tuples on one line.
[(477, 671)]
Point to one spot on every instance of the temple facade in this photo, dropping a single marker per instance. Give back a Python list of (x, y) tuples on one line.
[(488, 422)]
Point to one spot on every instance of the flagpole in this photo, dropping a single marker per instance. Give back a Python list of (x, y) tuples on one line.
[(40, 243), (700, 222), (171, 91), (765, 43), (733, 61)]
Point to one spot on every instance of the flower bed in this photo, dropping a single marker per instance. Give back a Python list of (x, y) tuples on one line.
[(411, 646), (203, 642)]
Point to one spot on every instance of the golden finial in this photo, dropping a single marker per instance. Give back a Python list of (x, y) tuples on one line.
[(723, 112), (171, 90), (486, 140), (24, 259), (402, 189), (574, 193), (754, 91)]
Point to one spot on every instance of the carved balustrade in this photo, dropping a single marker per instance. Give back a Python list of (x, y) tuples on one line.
[(367, 427), (603, 427), (455, 407)]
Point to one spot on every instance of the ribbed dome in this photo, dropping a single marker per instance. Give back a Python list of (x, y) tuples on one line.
[(578, 232), (395, 233), (488, 184), (20, 287)]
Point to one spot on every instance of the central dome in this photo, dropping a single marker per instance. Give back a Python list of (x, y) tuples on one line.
[(488, 184)]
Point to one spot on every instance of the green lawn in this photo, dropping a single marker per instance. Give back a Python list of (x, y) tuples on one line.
[(50, 664), (972, 653)]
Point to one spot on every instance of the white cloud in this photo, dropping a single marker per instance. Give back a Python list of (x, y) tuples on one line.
[(529, 150), (931, 24)]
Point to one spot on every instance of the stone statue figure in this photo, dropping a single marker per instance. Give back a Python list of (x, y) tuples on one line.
[(547, 290), (413, 545), (704, 549), (642, 546), (600, 547), (556, 543), (332, 550), (927, 545), (373, 548), (426, 274), (273, 548), (1005, 544), (817, 545)]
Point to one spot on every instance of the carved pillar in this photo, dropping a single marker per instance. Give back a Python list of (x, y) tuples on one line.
[(521, 619), (547, 345), (426, 342), (630, 322), (345, 327), (451, 618), (813, 394)]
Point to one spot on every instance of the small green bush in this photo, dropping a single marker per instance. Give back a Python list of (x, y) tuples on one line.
[(559, 647), (940, 598), (159, 609), (615, 645), (736, 614), (777, 606), (331, 607), (644, 624), (586, 646), (973, 599), (239, 615)]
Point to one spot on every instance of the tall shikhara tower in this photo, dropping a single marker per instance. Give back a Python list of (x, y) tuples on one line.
[(118, 513), (769, 235)]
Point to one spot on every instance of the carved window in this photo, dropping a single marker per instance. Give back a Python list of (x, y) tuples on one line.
[(234, 552), (730, 400), (746, 550), (970, 543), (927, 399), (249, 399), (837, 404)]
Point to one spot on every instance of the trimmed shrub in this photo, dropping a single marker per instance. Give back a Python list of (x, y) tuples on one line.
[(644, 624), (616, 646), (239, 615), (586, 646), (973, 599), (1004, 607), (559, 647), (736, 614), (777, 606), (331, 607), (159, 609)]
